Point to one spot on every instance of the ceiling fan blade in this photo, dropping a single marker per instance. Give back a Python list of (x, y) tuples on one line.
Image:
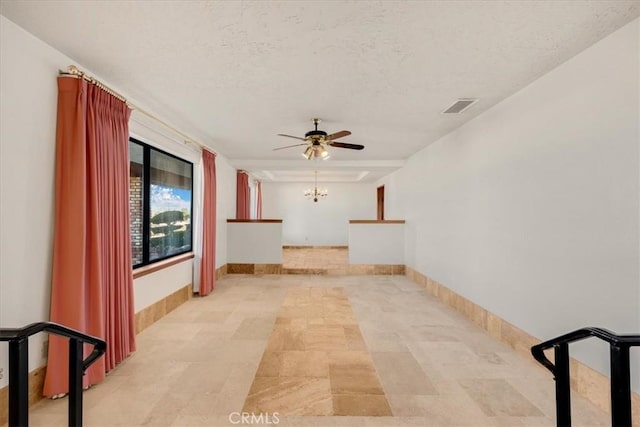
[(291, 136), (337, 135), (289, 146), (345, 145)]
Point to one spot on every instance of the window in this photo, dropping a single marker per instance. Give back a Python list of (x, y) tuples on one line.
[(160, 204)]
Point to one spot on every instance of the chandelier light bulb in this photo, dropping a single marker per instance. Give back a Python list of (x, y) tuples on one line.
[(315, 193)]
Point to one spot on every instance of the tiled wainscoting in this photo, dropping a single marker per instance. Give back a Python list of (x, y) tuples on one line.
[(589, 383), (316, 260), (254, 268), (156, 311), (36, 383), (358, 269)]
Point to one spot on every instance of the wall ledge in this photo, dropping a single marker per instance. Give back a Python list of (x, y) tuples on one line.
[(376, 221), (161, 265), (314, 247), (256, 220)]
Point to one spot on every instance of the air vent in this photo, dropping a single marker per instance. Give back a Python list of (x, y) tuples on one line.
[(460, 105)]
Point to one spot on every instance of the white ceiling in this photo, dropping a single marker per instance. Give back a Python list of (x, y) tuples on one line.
[(233, 74)]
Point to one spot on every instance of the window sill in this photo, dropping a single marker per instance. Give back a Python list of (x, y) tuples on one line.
[(161, 265), (256, 220)]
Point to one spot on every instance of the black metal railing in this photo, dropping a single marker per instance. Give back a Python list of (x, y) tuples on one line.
[(18, 339), (619, 346)]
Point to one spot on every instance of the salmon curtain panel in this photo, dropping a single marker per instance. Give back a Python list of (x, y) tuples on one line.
[(242, 195), (258, 200), (92, 282), (208, 261)]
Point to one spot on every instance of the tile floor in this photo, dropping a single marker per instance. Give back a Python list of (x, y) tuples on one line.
[(197, 365), (316, 361)]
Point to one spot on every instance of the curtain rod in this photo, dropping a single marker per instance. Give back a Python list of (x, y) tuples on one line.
[(75, 72)]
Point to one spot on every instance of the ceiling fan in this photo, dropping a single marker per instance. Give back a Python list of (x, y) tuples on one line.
[(318, 140)]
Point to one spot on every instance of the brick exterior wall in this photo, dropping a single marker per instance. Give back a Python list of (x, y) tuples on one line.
[(135, 212)]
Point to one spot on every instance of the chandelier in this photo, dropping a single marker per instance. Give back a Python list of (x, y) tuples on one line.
[(315, 193)]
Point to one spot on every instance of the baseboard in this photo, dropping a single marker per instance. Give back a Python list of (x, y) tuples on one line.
[(376, 269), (350, 270), (221, 272), (249, 268), (156, 311), (36, 384), (586, 381)]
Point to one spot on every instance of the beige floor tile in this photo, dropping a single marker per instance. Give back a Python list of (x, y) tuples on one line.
[(290, 395), (361, 405), (505, 421), (270, 364), (394, 421), (355, 340), (286, 338), (363, 383), (400, 373), (45, 419), (304, 364), (407, 405), (350, 362), (453, 411), (201, 421), (201, 378), (325, 338), (376, 345), (254, 328), (212, 316), (496, 397)]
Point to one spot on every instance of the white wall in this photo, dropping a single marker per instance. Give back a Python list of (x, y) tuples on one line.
[(154, 287), (27, 173), (324, 223), (254, 242), (226, 206), (531, 210), (376, 243)]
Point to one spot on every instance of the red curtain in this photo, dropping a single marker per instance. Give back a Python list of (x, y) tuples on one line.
[(92, 282), (258, 200), (208, 262), (242, 195)]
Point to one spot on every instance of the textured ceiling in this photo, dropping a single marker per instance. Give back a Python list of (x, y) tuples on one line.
[(233, 74)]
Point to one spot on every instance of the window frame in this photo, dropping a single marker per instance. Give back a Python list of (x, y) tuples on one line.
[(146, 204)]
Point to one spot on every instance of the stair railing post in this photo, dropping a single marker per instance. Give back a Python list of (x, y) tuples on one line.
[(19, 382), (620, 386), (75, 382), (563, 385)]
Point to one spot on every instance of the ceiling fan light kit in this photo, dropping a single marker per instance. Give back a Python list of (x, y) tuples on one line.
[(316, 151), (317, 142)]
